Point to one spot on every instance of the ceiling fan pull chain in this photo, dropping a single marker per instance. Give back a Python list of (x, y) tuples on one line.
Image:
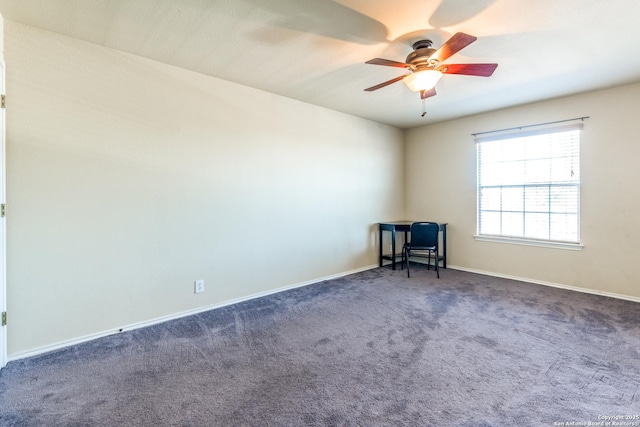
[(423, 109)]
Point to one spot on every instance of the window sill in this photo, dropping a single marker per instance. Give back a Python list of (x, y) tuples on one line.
[(531, 242)]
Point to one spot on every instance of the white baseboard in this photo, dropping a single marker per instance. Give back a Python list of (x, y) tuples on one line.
[(80, 340), (60, 345), (542, 282)]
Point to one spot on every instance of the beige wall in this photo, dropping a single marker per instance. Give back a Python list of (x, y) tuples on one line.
[(129, 179), (441, 185)]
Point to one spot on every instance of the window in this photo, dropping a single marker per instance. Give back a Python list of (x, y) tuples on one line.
[(529, 185)]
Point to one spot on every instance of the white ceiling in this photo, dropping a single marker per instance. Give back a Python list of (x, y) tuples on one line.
[(314, 50)]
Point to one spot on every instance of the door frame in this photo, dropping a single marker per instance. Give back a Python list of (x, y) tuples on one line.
[(3, 221)]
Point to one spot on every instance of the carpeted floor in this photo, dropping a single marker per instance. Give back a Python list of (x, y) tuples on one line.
[(370, 349)]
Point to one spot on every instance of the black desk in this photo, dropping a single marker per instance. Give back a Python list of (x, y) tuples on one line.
[(405, 226)]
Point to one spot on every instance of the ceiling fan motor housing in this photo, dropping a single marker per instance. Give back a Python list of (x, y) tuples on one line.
[(419, 58)]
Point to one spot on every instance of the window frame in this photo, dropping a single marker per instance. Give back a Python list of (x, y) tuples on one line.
[(550, 183)]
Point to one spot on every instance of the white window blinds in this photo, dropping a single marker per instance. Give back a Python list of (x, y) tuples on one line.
[(529, 184)]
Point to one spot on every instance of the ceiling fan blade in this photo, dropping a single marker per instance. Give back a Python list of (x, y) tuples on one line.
[(387, 62), (387, 83), (482, 70), (456, 43), (424, 94)]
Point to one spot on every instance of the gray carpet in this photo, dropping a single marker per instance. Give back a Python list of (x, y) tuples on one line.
[(370, 349)]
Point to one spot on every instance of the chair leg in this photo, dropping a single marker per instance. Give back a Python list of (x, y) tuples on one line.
[(429, 261), (406, 257), (437, 263)]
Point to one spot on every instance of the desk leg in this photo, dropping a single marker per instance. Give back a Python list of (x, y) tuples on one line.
[(393, 249), (406, 240), (380, 246), (444, 247)]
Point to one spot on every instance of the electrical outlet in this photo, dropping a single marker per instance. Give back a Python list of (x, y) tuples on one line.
[(199, 286)]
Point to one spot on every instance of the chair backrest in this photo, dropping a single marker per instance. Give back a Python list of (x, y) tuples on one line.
[(424, 235)]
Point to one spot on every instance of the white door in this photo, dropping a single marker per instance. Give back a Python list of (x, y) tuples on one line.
[(3, 230)]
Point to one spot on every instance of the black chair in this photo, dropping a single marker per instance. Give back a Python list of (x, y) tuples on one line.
[(424, 238)]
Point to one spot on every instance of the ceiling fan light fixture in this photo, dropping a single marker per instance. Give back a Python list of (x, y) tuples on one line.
[(422, 80)]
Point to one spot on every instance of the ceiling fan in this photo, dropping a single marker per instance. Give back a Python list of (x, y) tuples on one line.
[(425, 64)]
